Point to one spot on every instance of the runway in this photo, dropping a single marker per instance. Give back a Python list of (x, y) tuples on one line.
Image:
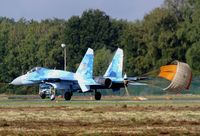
[(105, 101)]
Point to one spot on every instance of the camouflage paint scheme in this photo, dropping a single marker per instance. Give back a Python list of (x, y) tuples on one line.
[(81, 80)]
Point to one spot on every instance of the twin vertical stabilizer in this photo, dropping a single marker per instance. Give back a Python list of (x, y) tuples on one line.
[(85, 69), (115, 68), (84, 73)]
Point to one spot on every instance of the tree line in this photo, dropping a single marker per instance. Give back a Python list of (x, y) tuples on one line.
[(170, 32)]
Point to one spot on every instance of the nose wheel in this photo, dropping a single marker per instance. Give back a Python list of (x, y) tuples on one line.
[(97, 95), (43, 95), (53, 94), (53, 97)]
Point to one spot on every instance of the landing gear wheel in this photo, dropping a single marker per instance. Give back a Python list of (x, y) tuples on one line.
[(53, 97), (68, 96), (97, 96), (53, 94), (43, 95)]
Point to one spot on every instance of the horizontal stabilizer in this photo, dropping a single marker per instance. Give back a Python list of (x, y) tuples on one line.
[(136, 78), (136, 83)]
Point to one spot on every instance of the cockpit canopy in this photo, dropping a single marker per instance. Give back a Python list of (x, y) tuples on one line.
[(34, 69)]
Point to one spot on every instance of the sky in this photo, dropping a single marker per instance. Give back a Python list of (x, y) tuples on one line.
[(63, 9)]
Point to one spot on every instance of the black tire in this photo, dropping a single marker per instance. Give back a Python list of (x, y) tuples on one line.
[(67, 96), (43, 95), (97, 96)]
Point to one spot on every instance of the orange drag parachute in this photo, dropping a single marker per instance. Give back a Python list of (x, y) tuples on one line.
[(178, 73)]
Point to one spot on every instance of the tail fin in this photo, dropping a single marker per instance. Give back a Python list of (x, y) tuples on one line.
[(85, 69), (115, 67)]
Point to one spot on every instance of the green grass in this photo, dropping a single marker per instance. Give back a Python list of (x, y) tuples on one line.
[(108, 117)]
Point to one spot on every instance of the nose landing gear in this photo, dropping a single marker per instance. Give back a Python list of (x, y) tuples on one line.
[(42, 95)]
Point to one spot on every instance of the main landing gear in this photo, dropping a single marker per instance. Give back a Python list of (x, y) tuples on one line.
[(68, 96), (97, 95)]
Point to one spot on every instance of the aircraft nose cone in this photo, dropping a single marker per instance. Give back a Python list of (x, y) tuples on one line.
[(17, 81)]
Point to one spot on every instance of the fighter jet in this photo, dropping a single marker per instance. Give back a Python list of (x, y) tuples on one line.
[(60, 79), (82, 80)]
